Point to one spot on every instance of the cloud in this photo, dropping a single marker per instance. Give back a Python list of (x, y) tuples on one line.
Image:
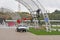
[(48, 4), (11, 4), (51, 3)]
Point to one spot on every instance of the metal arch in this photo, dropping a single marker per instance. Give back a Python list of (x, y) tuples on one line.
[(26, 5), (31, 4), (41, 6), (35, 4)]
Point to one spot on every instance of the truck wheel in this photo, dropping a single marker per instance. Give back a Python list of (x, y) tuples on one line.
[(25, 30)]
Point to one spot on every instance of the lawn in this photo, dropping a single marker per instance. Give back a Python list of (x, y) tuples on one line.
[(43, 32)]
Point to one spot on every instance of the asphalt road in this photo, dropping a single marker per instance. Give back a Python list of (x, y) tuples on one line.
[(11, 34)]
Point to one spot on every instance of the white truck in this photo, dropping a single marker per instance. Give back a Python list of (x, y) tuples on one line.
[(22, 28)]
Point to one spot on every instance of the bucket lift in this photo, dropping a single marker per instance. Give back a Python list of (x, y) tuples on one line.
[(35, 5), (46, 19)]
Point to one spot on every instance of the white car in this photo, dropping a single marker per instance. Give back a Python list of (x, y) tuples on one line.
[(22, 28)]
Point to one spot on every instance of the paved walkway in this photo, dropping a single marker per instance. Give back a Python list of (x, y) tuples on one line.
[(11, 34)]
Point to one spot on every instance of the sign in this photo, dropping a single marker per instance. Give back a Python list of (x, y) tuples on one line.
[(11, 23)]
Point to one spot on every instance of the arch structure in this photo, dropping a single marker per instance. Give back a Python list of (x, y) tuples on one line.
[(12, 14), (33, 6)]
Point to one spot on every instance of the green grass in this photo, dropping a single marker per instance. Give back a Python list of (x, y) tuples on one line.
[(43, 32)]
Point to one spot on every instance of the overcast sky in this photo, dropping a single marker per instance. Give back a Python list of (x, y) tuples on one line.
[(49, 5)]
